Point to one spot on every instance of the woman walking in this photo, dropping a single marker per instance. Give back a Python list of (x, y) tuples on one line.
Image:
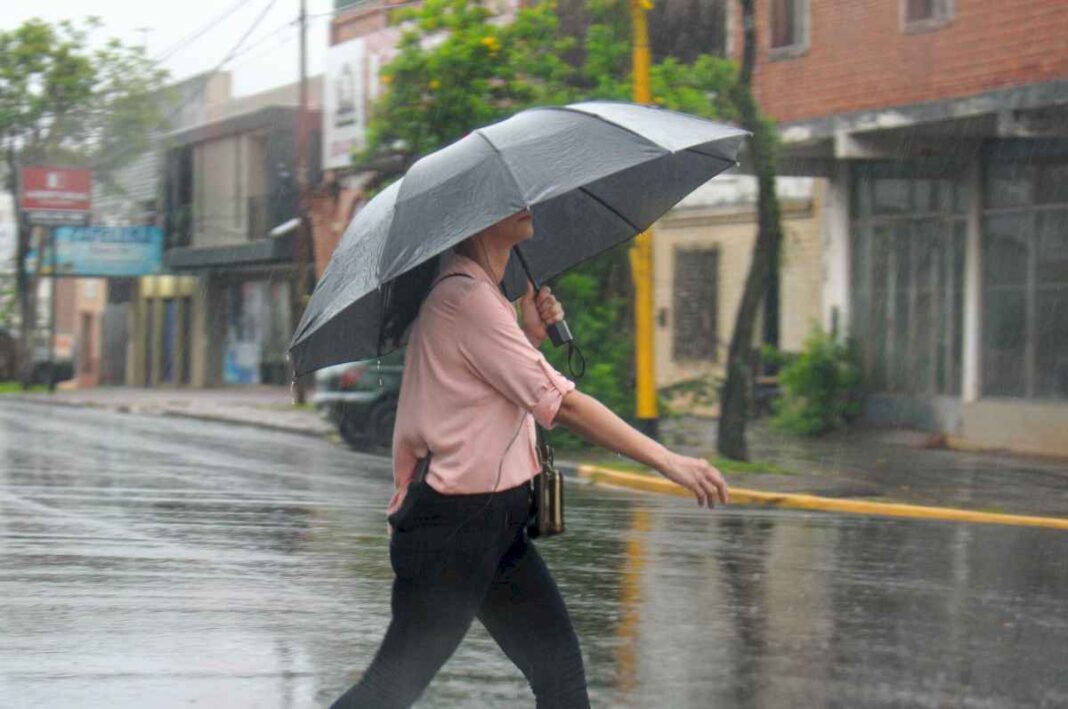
[(463, 456)]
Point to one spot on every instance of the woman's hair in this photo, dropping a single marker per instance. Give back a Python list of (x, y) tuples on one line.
[(468, 247), (400, 301)]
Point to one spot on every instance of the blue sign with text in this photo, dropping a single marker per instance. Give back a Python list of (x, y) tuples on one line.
[(106, 251)]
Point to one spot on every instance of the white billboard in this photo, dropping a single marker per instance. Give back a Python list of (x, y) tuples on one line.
[(352, 86), (344, 118)]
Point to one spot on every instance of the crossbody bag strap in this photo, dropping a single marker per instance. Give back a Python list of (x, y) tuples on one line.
[(449, 275), (545, 450)]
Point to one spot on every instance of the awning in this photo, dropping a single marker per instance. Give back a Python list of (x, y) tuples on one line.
[(274, 251)]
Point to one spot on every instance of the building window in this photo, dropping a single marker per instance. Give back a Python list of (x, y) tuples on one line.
[(788, 32), (686, 30), (924, 15), (185, 335), (1025, 272), (149, 305), (696, 305), (907, 276), (170, 341)]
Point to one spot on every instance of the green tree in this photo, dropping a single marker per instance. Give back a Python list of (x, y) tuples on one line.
[(457, 70), (67, 100)]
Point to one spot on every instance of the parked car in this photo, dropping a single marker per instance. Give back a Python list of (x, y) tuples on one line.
[(360, 398), (61, 369)]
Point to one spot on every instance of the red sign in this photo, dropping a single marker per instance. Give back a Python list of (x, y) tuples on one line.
[(67, 189)]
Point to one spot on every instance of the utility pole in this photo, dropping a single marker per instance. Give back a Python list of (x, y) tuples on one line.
[(641, 253), (303, 237)]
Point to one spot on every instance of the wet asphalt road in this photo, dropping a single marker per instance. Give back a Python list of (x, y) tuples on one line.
[(150, 562)]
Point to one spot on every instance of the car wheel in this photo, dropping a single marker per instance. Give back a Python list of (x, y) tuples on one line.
[(380, 424)]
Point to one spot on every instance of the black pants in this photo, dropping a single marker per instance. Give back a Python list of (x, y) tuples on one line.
[(458, 557)]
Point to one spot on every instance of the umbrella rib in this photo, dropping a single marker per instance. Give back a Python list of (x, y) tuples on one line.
[(610, 208), (504, 162), (710, 155)]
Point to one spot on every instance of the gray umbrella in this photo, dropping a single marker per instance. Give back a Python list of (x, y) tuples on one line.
[(593, 174)]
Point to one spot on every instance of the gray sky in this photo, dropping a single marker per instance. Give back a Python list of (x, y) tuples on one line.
[(271, 58)]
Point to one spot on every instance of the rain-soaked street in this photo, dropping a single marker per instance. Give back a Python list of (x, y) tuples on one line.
[(165, 562)]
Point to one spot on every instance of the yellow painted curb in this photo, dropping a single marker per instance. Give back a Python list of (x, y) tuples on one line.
[(742, 496)]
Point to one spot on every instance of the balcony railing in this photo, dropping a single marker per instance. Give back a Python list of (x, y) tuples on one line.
[(261, 215)]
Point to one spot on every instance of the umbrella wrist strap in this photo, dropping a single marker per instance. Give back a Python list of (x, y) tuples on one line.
[(574, 352)]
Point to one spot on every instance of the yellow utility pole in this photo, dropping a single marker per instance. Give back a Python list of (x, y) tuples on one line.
[(641, 253)]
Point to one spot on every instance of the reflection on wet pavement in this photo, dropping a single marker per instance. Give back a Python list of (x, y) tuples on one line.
[(158, 562)]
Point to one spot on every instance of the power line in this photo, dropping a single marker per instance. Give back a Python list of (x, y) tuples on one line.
[(229, 55), (194, 36), (259, 43), (177, 108), (249, 31)]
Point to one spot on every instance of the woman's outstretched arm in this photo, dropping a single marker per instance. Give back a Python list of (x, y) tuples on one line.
[(595, 422)]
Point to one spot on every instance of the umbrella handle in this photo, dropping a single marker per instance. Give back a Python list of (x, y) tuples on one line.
[(559, 332)]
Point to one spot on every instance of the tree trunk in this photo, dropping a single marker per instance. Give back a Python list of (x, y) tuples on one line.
[(734, 407), (24, 292), (27, 297)]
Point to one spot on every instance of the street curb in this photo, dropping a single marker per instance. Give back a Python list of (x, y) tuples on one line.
[(170, 413), (798, 501)]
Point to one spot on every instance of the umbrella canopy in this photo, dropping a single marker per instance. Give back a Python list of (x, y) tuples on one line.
[(593, 174)]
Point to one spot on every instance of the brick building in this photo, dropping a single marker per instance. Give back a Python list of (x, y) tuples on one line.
[(941, 128)]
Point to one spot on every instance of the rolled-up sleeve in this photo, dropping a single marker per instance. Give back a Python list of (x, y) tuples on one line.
[(497, 351)]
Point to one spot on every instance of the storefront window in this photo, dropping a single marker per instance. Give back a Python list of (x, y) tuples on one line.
[(907, 279), (1025, 272), (259, 323), (150, 339), (276, 344), (170, 341)]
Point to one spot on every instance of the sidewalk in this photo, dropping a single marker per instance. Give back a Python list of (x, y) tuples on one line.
[(269, 407), (863, 464)]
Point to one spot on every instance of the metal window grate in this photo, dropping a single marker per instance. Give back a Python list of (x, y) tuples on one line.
[(696, 305)]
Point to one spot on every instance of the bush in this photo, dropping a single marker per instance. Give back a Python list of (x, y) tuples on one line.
[(680, 398), (820, 387), (597, 307)]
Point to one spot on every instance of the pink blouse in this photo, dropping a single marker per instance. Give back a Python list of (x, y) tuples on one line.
[(471, 376)]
